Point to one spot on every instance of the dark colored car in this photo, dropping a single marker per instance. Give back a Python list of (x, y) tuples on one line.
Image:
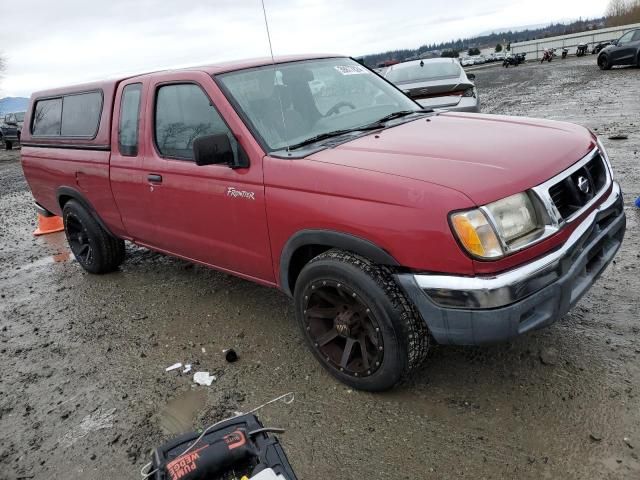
[(436, 83), (624, 51), (11, 129), (389, 225)]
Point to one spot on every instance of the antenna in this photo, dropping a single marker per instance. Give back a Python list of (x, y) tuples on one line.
[(273, 62)]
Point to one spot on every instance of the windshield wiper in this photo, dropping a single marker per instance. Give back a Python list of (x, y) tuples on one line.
[(394, 115), (378, 124), (334, 133)]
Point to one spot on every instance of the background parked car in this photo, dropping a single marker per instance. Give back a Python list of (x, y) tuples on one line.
[(436, 83), (11, 129), (599, 47), (624, 51), (466, 61)]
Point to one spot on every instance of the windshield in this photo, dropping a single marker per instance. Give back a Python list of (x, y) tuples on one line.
[(20, 116), (413, 72), (292, 102)]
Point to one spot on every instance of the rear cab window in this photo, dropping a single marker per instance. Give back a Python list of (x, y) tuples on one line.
[(129, 119), (47, 117), (71, 115)]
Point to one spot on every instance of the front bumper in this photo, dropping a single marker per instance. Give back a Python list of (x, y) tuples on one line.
[(478, 310)]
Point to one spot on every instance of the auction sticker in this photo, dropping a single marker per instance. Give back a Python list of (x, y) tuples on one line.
[(351, 69)]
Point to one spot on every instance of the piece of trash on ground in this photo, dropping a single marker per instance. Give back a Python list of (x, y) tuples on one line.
[(595, 437), (618, 136), (98, 420), (230, 355), (175, 366), (204, 378), (187, 368)]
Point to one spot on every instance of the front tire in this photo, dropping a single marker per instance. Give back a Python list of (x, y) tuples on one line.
[(8, 145), (603, 62), (96, 250), (357, 322)]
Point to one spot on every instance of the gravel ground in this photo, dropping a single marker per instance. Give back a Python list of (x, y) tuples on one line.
[(84, 394)]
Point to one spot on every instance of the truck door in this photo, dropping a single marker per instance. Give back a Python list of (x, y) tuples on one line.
[(213, 214), (128, 179)]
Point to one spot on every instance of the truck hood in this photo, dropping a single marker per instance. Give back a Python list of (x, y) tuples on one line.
[(485, 157)]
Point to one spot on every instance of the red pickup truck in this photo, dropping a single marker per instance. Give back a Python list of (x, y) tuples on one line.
[(316, 176)]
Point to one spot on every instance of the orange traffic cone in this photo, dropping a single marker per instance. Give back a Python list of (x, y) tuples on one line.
[(48, 225)]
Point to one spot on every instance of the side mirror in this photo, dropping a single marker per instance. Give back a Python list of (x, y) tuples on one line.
[(216, 149), (212, 149), (471, 76), (614, 42)]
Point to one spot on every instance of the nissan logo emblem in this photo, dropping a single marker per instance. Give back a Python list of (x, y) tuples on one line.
[(583, 185)]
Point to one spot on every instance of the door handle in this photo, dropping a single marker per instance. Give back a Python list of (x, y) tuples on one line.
[(154, 178)]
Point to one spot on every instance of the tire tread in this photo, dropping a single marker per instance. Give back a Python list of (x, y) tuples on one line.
[(416, 333), (111, 252)]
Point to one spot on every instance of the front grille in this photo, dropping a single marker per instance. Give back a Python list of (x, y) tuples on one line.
[(576, 190)]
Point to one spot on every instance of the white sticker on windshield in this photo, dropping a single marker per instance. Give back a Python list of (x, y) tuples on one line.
[(351, 69)]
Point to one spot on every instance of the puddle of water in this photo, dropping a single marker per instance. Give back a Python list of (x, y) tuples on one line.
[(55, 243), (61, 257), (178, 415)]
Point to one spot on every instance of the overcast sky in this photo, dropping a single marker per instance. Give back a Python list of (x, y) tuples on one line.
[(49, 43)]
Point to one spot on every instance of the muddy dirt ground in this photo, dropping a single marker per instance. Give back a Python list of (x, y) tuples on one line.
[(84, 392)]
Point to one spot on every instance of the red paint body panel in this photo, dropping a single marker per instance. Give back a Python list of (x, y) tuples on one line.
[(395, 189), (488, 157), (86, 171), (405, 217)]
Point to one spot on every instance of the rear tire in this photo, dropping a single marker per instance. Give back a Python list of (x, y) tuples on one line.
[(346, 302), (8, 145), (94, 248)]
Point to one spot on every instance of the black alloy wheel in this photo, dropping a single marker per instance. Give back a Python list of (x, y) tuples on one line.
[(78, 239), (603, 62), (96, 250), (358, 322), (342, 329)]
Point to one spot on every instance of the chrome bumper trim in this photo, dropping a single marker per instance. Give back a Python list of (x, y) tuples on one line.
[(513, 285)]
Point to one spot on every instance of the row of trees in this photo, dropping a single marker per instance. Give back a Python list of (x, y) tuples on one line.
[(623, 12), (453, 53), (452, 47)]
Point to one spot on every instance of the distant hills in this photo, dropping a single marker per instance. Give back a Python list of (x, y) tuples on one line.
[(13, 104)]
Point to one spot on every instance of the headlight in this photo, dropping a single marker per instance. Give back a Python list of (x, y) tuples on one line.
[(476, 234), (604, 155), (469, 92), (514, 216), (490, 231)]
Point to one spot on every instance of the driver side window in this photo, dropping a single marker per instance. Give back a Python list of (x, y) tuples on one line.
[(626, 38), (184, 113)]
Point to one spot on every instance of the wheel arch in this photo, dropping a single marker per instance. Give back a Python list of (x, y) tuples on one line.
[(307, 244), (64, 194)]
